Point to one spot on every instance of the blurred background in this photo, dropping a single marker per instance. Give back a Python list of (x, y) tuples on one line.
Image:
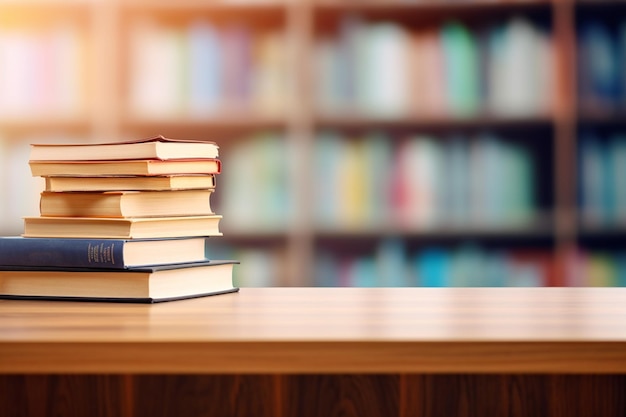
[(364, 142)]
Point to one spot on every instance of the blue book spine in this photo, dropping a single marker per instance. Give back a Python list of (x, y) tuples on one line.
[(63, 253), (432, 267)]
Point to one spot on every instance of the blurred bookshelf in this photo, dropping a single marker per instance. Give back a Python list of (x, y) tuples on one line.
[(439, 143)]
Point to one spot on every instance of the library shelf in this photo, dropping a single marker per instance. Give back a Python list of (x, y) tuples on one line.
[(606, 231), (251, 12), (445, 122), (254, 236), (36, 124), (342, 6), (506, 232), (424, 12), (107, 24), (602, 117), (235, 122), (249, 6)]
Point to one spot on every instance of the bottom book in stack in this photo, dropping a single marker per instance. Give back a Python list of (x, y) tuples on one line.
[(121, 270), (150, 284)]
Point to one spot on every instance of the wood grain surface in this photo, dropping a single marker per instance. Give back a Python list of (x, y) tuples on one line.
[(325, 330)]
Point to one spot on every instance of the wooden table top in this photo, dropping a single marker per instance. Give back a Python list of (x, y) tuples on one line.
[(325, 330)]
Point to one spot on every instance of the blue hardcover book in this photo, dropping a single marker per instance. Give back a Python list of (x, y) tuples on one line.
[(592, 179), (621, 64), (98, 253), (617, 177), (598, 65)]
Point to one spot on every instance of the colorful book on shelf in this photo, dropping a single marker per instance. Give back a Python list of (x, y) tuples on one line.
[(159, 147), (126, 203), (460, 56), (598, 65), (122, 228), (147, 167), (99, 253), (134, 285), (131, 183), (205, 68)]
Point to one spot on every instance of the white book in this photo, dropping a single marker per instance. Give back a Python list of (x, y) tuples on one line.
[(66, 66), (18, 73), (386, 70), (156, 70), (515, 81)]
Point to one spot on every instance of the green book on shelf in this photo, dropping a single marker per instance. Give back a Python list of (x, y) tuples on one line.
[(462, 69)]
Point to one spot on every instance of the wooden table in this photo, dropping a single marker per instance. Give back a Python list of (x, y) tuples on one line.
[(321, 352)]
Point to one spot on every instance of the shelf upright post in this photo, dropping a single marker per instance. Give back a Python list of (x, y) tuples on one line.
[(300, 247), (565, 114), (106, 64)]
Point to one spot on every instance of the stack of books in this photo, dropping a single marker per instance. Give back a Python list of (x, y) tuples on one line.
[(121, 221)]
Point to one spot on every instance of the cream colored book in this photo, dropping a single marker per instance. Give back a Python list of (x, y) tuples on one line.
[(126, 203), (153, 148), (147, 167), (130, 183), (120, 228)]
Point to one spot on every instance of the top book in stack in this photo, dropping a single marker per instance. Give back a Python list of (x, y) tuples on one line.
[(172, 209), (144, 157), (153, 148)]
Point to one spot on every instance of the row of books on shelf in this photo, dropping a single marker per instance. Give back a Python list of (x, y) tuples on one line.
[(602, 178), (385, 69), (466, 265), (42, 71), (417, 181), (205, 68), (423, 182), (602, 64), (260, 183), (116, 228), (259, 265), (392, 264)]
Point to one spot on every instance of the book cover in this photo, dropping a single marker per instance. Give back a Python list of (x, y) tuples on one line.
[(98, 253)]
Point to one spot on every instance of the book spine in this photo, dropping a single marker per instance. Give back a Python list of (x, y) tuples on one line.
[(75, 253)]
